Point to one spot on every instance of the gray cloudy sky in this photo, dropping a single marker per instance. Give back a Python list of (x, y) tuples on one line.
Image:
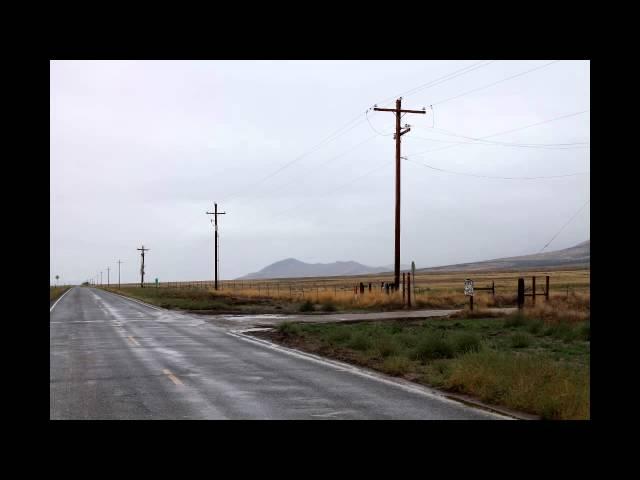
[(141, 149)]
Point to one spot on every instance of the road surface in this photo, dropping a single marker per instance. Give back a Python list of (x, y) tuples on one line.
[(113, 358)]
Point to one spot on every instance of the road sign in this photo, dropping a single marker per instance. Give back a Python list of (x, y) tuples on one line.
[(468, 287)]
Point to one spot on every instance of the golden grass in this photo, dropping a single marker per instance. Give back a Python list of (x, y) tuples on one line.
[(432, 290)]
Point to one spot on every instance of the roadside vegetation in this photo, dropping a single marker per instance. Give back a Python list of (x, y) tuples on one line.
[(336, 294), (535, 361), (56, 292)]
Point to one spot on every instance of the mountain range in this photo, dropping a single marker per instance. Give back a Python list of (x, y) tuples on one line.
[(578, 256)]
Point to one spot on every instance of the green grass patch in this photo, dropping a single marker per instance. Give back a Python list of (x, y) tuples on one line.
[(306, 306), (493, 359), (56, 292)]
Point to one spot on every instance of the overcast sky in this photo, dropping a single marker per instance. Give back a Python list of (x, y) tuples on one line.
[(140, 150)]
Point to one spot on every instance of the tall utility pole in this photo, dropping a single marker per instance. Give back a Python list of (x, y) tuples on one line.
[(215, 214), (119, 262), (398, 111), (100, 278), (142, 250), (108, 277)]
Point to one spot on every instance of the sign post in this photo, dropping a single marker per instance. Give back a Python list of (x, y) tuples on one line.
[(468, 291), (413, 275), (156, 282)]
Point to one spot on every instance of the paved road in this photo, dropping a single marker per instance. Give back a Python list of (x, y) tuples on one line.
[(270, 320), (112, 358)]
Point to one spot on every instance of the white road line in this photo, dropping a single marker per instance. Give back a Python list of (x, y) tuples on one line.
[(137, 301), (404, 385), (51, 309), (173, 378)]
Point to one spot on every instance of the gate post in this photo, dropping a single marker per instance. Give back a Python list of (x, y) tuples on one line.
[(533, 290), (520, 293), (546, 289)]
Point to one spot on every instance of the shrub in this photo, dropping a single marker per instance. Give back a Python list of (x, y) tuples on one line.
[(466, 343), (340, 335), (307, 306), (515, 320), (287, 328), (433, 346), (385, 345), (535, 326), (520, 340), (585, 332), (396, 365), (360, 341), (563, 331), (329, 306)]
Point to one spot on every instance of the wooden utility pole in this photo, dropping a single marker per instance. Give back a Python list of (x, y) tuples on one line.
[(215, 214), (119, 262), (108, 268), (142, 250), (398, 111)]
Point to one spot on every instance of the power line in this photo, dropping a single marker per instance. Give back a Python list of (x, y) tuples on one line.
[(495, 177), (475, 141), (494, 83), (506, 131), (325, 163), (350, 124), (440, 80), (558, 233), (341, 131), (344, 185), (443, 131)]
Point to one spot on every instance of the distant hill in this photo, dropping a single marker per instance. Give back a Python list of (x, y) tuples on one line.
[(292, 268), (578, 256)]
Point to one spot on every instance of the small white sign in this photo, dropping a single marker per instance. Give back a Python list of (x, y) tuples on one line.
[(468, 287)]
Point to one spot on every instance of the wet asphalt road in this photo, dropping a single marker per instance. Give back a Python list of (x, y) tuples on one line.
[(112, 358)]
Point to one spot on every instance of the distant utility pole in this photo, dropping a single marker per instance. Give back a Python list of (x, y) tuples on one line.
[(215, 214), (100, 278), (398, 111), (142, 266), (108, 277), (119, 262)]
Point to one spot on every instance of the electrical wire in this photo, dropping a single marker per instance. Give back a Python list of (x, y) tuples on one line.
[(440, 102), (340, 187), (563, 227), (505, 132), (350, 124), (549, 146), (341, 131), (323, 164), (372, 128), (440, 80), (494, 177)]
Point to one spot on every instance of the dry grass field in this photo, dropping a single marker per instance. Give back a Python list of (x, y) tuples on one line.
[(432, 290)]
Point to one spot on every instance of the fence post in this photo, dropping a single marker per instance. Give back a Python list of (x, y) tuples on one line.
[(403, 289), (369, 286), (471, 303), (546, 289), (533, 290), (493, 289), (520, 293), (409, 289)]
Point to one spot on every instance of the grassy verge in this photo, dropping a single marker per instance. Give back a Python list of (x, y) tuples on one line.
[(56, 292), (208, 300), (527, 361)]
